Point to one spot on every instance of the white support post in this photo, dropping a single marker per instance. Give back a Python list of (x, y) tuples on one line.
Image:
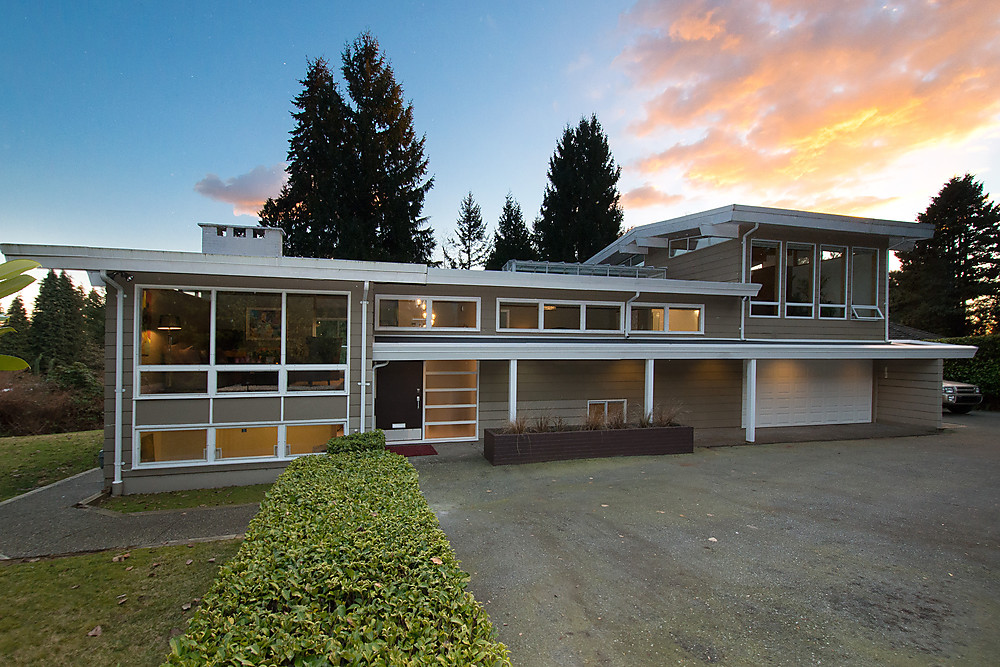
[(648, 395), (751, 399), (512, 391)]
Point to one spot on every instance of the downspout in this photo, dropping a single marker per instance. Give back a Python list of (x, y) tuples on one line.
[(743, 279), (625, 314), (364, 352), (116, 486)]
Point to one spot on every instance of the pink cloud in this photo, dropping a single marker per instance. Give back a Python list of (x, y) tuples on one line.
[(647, 195), (246, 192)]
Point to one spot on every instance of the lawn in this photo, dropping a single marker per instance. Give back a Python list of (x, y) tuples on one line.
[(51, 606), (172, 500), (27, 462)]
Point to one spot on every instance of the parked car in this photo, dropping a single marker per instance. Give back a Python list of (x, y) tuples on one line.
[(960, 397)]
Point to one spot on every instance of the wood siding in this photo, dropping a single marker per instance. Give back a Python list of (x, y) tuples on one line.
[(704, 393), (719, 262), (908, 392)]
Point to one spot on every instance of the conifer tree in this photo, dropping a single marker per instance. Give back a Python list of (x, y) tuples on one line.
[(469, 248), (56, 331), (16, 342), (512, 239), (950, 284), (580, 212)]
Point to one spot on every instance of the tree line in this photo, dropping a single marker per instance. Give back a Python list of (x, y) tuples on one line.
[(357, 179)]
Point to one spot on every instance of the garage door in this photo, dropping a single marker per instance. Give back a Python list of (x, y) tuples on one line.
[(800, 393)]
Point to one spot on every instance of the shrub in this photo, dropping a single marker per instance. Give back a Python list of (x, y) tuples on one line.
[(983, 369), (30, 405), (372, 441), (345, 564)]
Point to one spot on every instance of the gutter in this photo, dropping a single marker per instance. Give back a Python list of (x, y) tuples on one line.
[(743, 279), (628, 325), (116, 486), (364, 352)]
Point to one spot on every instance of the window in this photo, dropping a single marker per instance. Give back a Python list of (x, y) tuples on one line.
[(173, 382), (239, 232), (660, 318), (602, 318), (251, 442), (247, 328), (765, 270), (317, 329), (609, 411), (684, 320), (451, 399), (799, 280), (246, 381), (310, 438), (416, 313), (649, 318), (169, 446), (833, 282), (864, 284), (515, 315), (561, 316), (175, 327)]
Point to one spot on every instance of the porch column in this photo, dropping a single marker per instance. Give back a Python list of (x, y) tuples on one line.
[(750, 391), (648, 395), (512, 391)]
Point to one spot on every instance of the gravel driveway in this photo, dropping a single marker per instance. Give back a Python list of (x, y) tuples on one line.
[(861, 552)]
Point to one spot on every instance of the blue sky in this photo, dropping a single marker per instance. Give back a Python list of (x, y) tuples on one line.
[(112, 112)]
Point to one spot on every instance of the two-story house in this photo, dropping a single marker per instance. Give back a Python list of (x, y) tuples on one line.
[(224, 365)]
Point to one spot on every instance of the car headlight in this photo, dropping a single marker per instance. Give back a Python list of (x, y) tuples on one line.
[(949, 390), (976, 389)]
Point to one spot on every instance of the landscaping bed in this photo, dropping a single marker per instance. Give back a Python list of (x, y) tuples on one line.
[(504, 448)]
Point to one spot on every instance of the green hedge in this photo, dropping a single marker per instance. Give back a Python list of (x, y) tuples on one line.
[(345, 564), (983, 369), (372, 441)]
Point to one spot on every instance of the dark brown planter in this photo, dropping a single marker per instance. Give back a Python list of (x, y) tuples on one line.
[(506, 448)]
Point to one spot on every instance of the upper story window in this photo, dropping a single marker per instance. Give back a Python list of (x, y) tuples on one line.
[(665, 318), (864, 284), (427, 313), (799, 279), (540, 315), (833, 282), (765, 270)]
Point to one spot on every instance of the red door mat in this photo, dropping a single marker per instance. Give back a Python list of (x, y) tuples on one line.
[(412, 450)]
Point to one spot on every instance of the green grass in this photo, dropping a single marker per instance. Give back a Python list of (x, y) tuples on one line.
[(27, 462), (49, 606), (172, 500)]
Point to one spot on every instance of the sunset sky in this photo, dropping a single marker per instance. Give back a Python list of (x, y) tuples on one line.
[(124, 125)]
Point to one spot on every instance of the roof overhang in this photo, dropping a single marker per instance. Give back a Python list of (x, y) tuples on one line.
[(725, 222), (193, 263)]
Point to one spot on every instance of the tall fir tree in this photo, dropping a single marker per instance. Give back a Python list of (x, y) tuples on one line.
[(93, 313), (56, 332), (469, 248), (16, 342), (580, 212), (950, 284), (357, 170), (512, 239)]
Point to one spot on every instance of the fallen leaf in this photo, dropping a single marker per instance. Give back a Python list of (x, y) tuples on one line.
[(603, 505), (156, 565), (122, 600), (75, 586), (189, 561), (129, 568), (712, 539), (211, 560), (96, 632), (436, 560), (186, 606)]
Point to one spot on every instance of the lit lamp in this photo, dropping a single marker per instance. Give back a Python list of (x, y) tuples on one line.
[(169, 323)]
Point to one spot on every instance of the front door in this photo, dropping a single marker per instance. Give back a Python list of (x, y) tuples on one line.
[(399, 400)]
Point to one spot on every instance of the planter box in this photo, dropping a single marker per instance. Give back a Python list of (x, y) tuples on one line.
[(506, 448)]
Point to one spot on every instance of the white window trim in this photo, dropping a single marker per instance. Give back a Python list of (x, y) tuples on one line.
[(540, 324), (819, 297), (779, 286), (811, 304), (430, 310), (700, 307), (878, 286), (605, 401)]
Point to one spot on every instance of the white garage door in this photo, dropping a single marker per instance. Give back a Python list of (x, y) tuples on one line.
[(800, 393)]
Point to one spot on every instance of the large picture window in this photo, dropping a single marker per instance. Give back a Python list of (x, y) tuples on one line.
[(799, 280), (317, 329), (833, 282), (864, 284), (247, 328), (765, 270), (446, 313), (542, 315), (175, 327)]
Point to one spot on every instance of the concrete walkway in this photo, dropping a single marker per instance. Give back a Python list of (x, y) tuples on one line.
[(46, 522)]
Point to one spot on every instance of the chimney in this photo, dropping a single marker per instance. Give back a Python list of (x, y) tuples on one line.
[(252, 241)]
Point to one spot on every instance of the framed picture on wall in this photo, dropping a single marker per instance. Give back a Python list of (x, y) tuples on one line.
[(263, 323)]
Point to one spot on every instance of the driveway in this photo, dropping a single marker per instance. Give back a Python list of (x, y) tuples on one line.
[(881, 551)]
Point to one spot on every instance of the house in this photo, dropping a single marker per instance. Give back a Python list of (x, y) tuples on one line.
[(223, 365)]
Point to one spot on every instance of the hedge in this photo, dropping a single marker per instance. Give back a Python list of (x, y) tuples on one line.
[(983, 369), (345, 564), (371, 441)]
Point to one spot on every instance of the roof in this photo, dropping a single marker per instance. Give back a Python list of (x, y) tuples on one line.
[(903, 332), (725, 222), (196, 263)]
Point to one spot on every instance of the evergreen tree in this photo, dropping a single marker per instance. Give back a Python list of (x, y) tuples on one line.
[(16, 342), (580, 211), (357, 171), (93, 318), (950, 284), (56, 332), (512, 240), (469, 247)]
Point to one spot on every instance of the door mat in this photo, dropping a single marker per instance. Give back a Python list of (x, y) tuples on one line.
[(412, 450)]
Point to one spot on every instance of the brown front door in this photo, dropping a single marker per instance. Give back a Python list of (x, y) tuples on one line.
[(398, 397)]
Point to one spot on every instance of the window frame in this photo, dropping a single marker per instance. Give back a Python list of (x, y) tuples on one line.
[(667, 307), (877, 278), (778, 283), (605, 401), (379, 298), (811, 304), (540, 319), (846, 250)]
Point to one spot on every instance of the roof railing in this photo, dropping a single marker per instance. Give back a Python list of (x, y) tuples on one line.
[(574, 269)]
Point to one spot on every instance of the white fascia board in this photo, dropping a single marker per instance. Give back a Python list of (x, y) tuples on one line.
[(534, 349)]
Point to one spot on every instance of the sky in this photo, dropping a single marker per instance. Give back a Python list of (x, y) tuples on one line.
[(124, 124)]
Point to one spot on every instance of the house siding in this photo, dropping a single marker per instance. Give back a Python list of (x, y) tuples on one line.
[(719, 262), (909, 392), (704, 393)]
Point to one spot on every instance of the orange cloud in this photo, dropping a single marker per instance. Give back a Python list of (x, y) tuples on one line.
[(816, 98), (647, 195), (246, 192)]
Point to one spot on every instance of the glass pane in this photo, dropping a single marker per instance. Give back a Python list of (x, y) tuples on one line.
[(764, 270), (158, 446), (315, 380), (456, 397), (647, 318), (833, 311), (402, 313), (454, 314), (247, 328), (451, 365), (447, 414), (763, 309), (832, 273), (604, 318), (311, 438), (175, 326), (518, 315), (864, 285), (316, 332), (616, 411), (450, 431), (561, 317), (596, 411), (798, 274), (233, 443), (464, 381), (173, 382), (232, 381), (685, 319)]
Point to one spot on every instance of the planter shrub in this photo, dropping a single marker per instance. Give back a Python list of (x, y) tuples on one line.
[(371, 441), (345, 564)]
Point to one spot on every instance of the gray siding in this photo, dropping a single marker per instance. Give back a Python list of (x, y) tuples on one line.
[(719, 262), (704, 393), (909, 392)]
